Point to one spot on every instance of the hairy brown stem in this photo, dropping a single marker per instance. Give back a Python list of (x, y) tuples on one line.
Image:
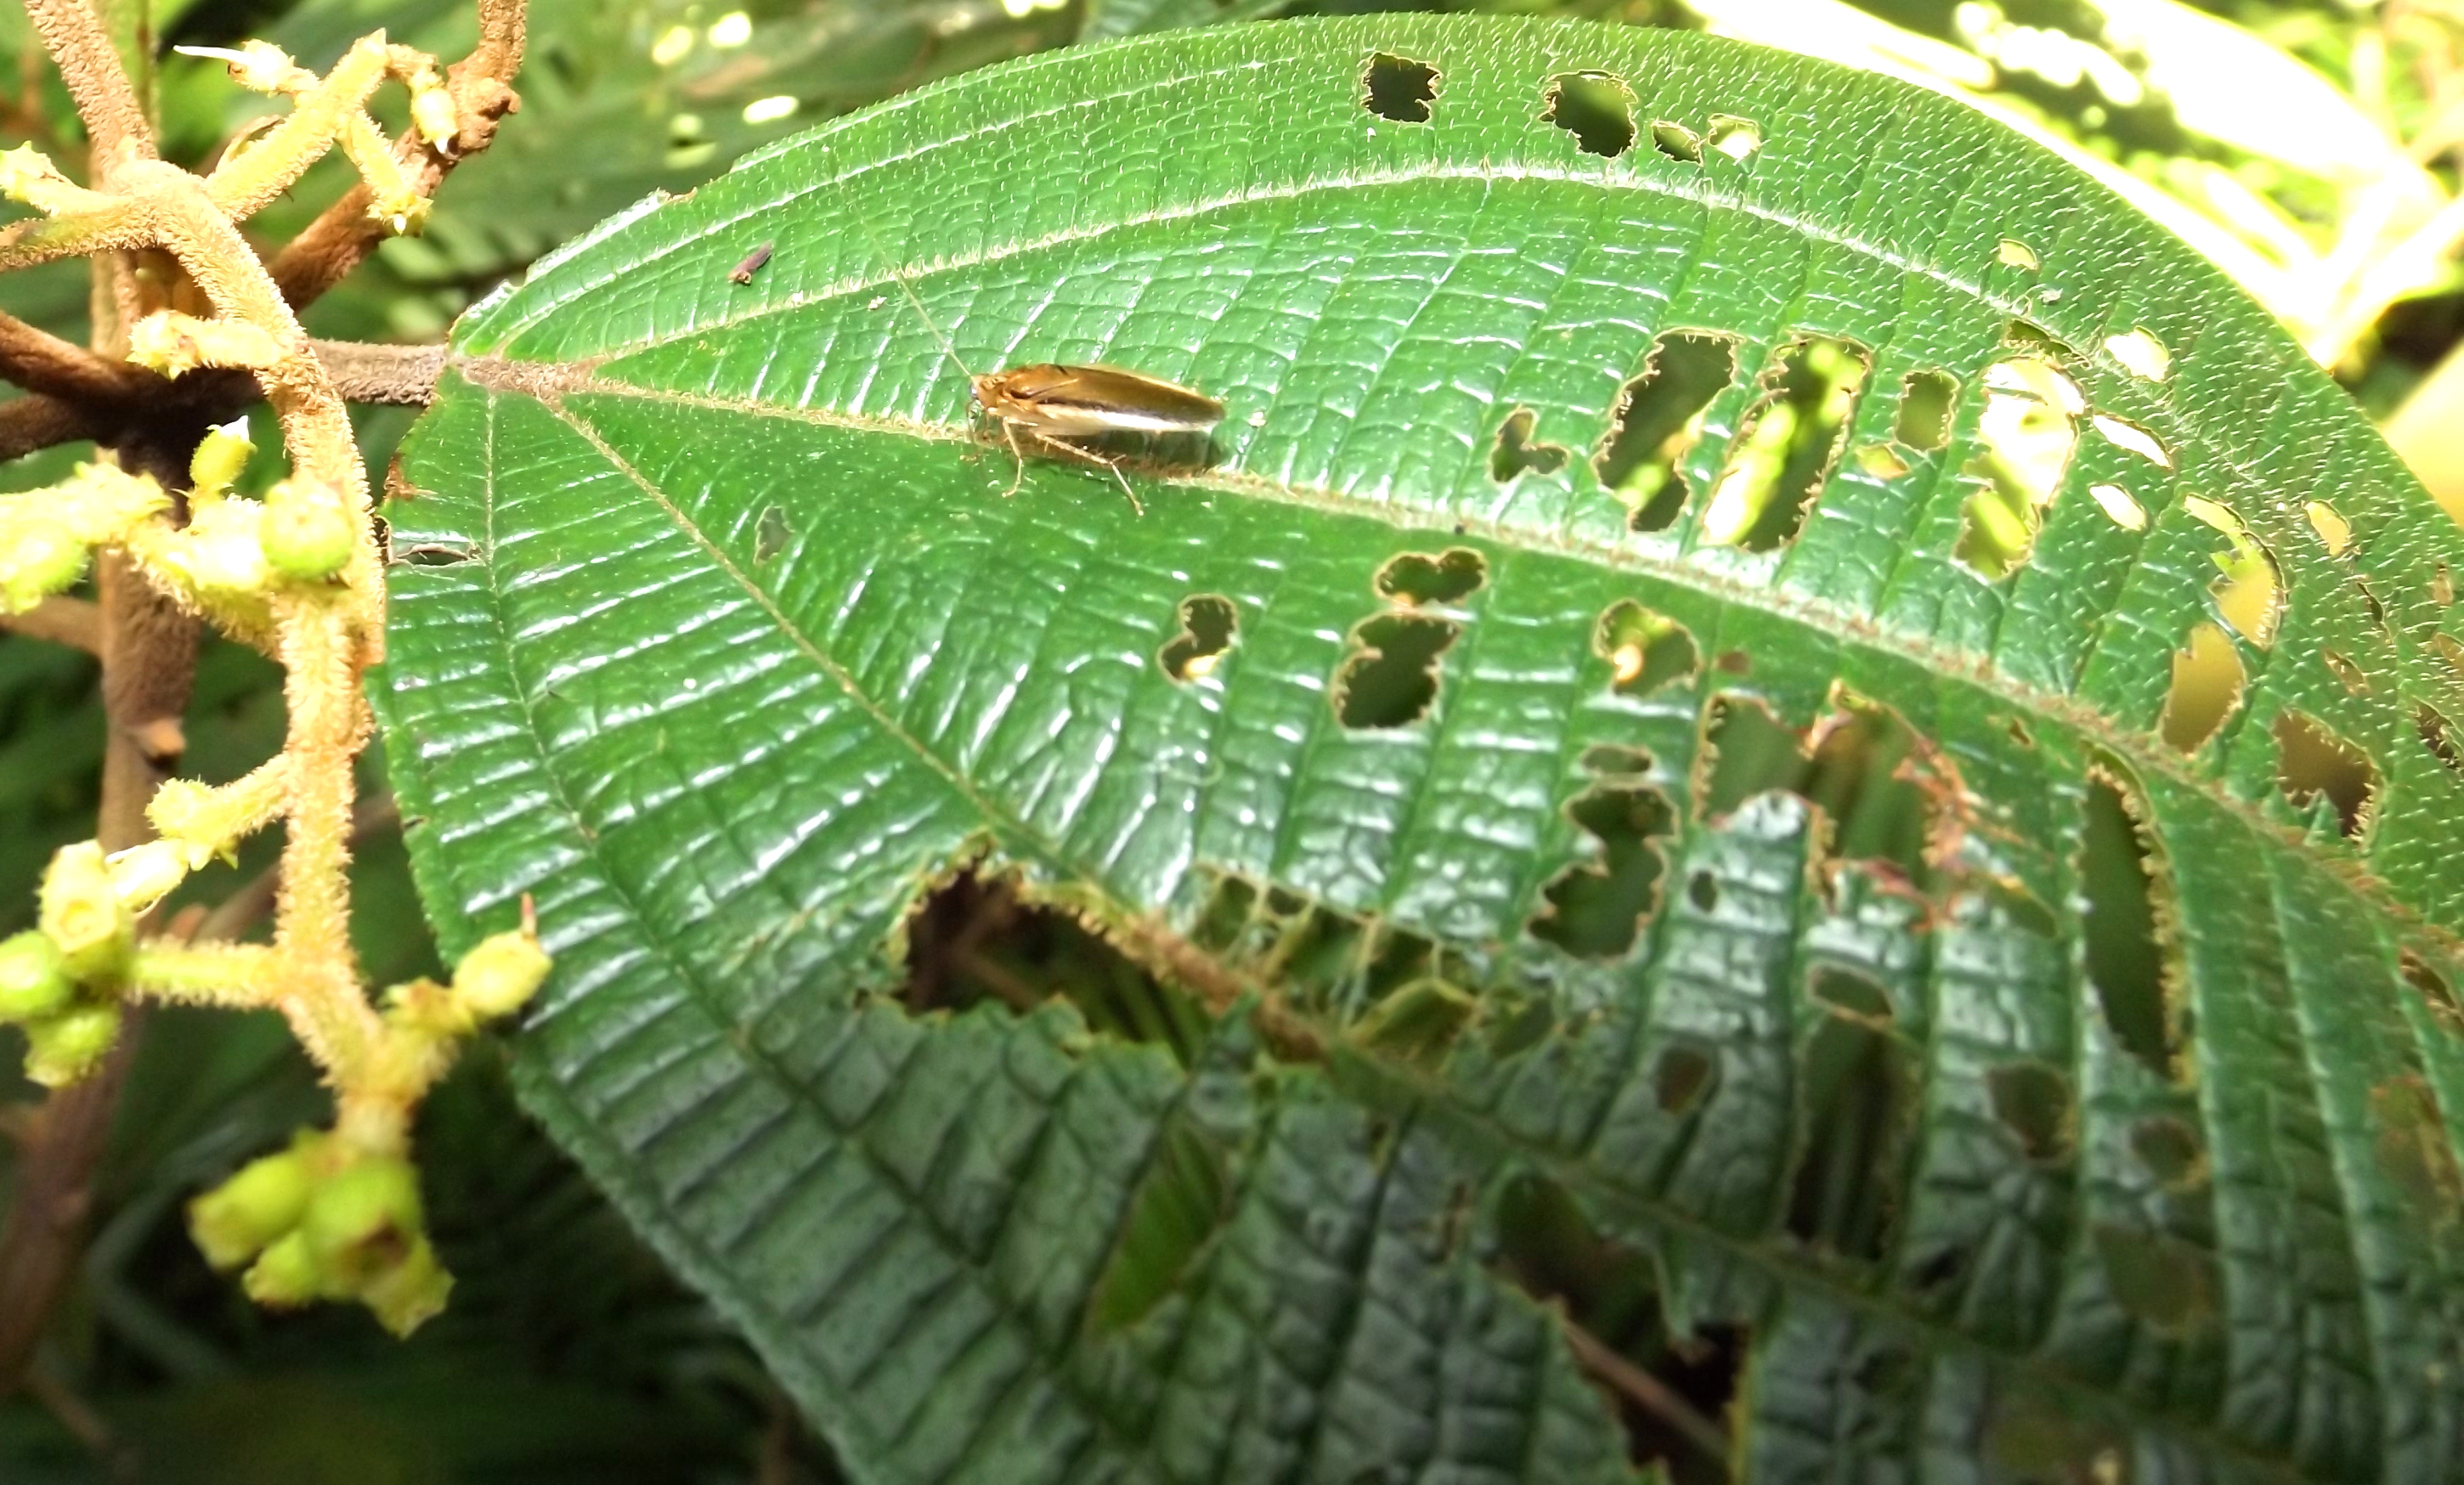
[(73, 623), (400, 375), (40, 362), (29, 423)]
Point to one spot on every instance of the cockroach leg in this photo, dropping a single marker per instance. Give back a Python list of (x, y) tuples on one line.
[(1110, 465)]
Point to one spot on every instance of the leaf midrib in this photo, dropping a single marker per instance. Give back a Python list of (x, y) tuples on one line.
[(1398, 1088), (549, 383)]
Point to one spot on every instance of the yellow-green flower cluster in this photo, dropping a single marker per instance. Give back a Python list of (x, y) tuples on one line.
[(323, 1221), (58, 981)]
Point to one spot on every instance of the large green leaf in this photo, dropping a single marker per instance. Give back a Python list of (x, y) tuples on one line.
[(1810, 902)]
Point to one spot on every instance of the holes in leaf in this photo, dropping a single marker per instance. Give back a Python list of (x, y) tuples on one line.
[(1751, 751), (2124, 434), (1703, 890), (2166, 1284), (1733, 662), (2335, 532), (2445, 1006), (1927, 400), (2313, 763), (1645, 651), (1659, 417), (1604, 759), (1871, 777), (2011, 253), (770, 535), (2140, 354), (2249, 592), (1682, 1077), (1416, 1023), (2207, 688), (974, 937), (1418, 579), (2439, 735), (1182, 1197), (2025, 438), (2120, 877), (2042, 344), (1338, 965), (1391, 676), (1881, 461), (2346, 673), (2377, 611), (1736, 137), (1515, 451), (1846, 992), (2119, 507), (1596, 107), (1671, 1388), (1208, 625), (1597, 908), (1398, 88), (1514, 1029), (1788, 442), (2169, 1151), (431, 553), (2032, 1101), (1676, 141), (1857, 1087)]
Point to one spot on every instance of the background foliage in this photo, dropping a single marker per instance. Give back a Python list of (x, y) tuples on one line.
[(533, 1376)]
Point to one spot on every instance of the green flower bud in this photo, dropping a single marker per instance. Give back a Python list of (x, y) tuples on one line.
[(307, 531), (363, 1220), (61, 1049), (411, 1293), (220, 457), (503, 971), (82, 915), (263, 1200), (38, 558), (32, 981), (284, 1274)]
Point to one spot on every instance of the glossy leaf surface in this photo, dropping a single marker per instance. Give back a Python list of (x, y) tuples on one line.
[(1779, 859)]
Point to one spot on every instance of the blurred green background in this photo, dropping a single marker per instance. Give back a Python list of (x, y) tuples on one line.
[(2310, 148)]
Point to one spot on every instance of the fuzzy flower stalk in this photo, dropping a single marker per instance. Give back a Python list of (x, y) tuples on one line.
[(292, 569)]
